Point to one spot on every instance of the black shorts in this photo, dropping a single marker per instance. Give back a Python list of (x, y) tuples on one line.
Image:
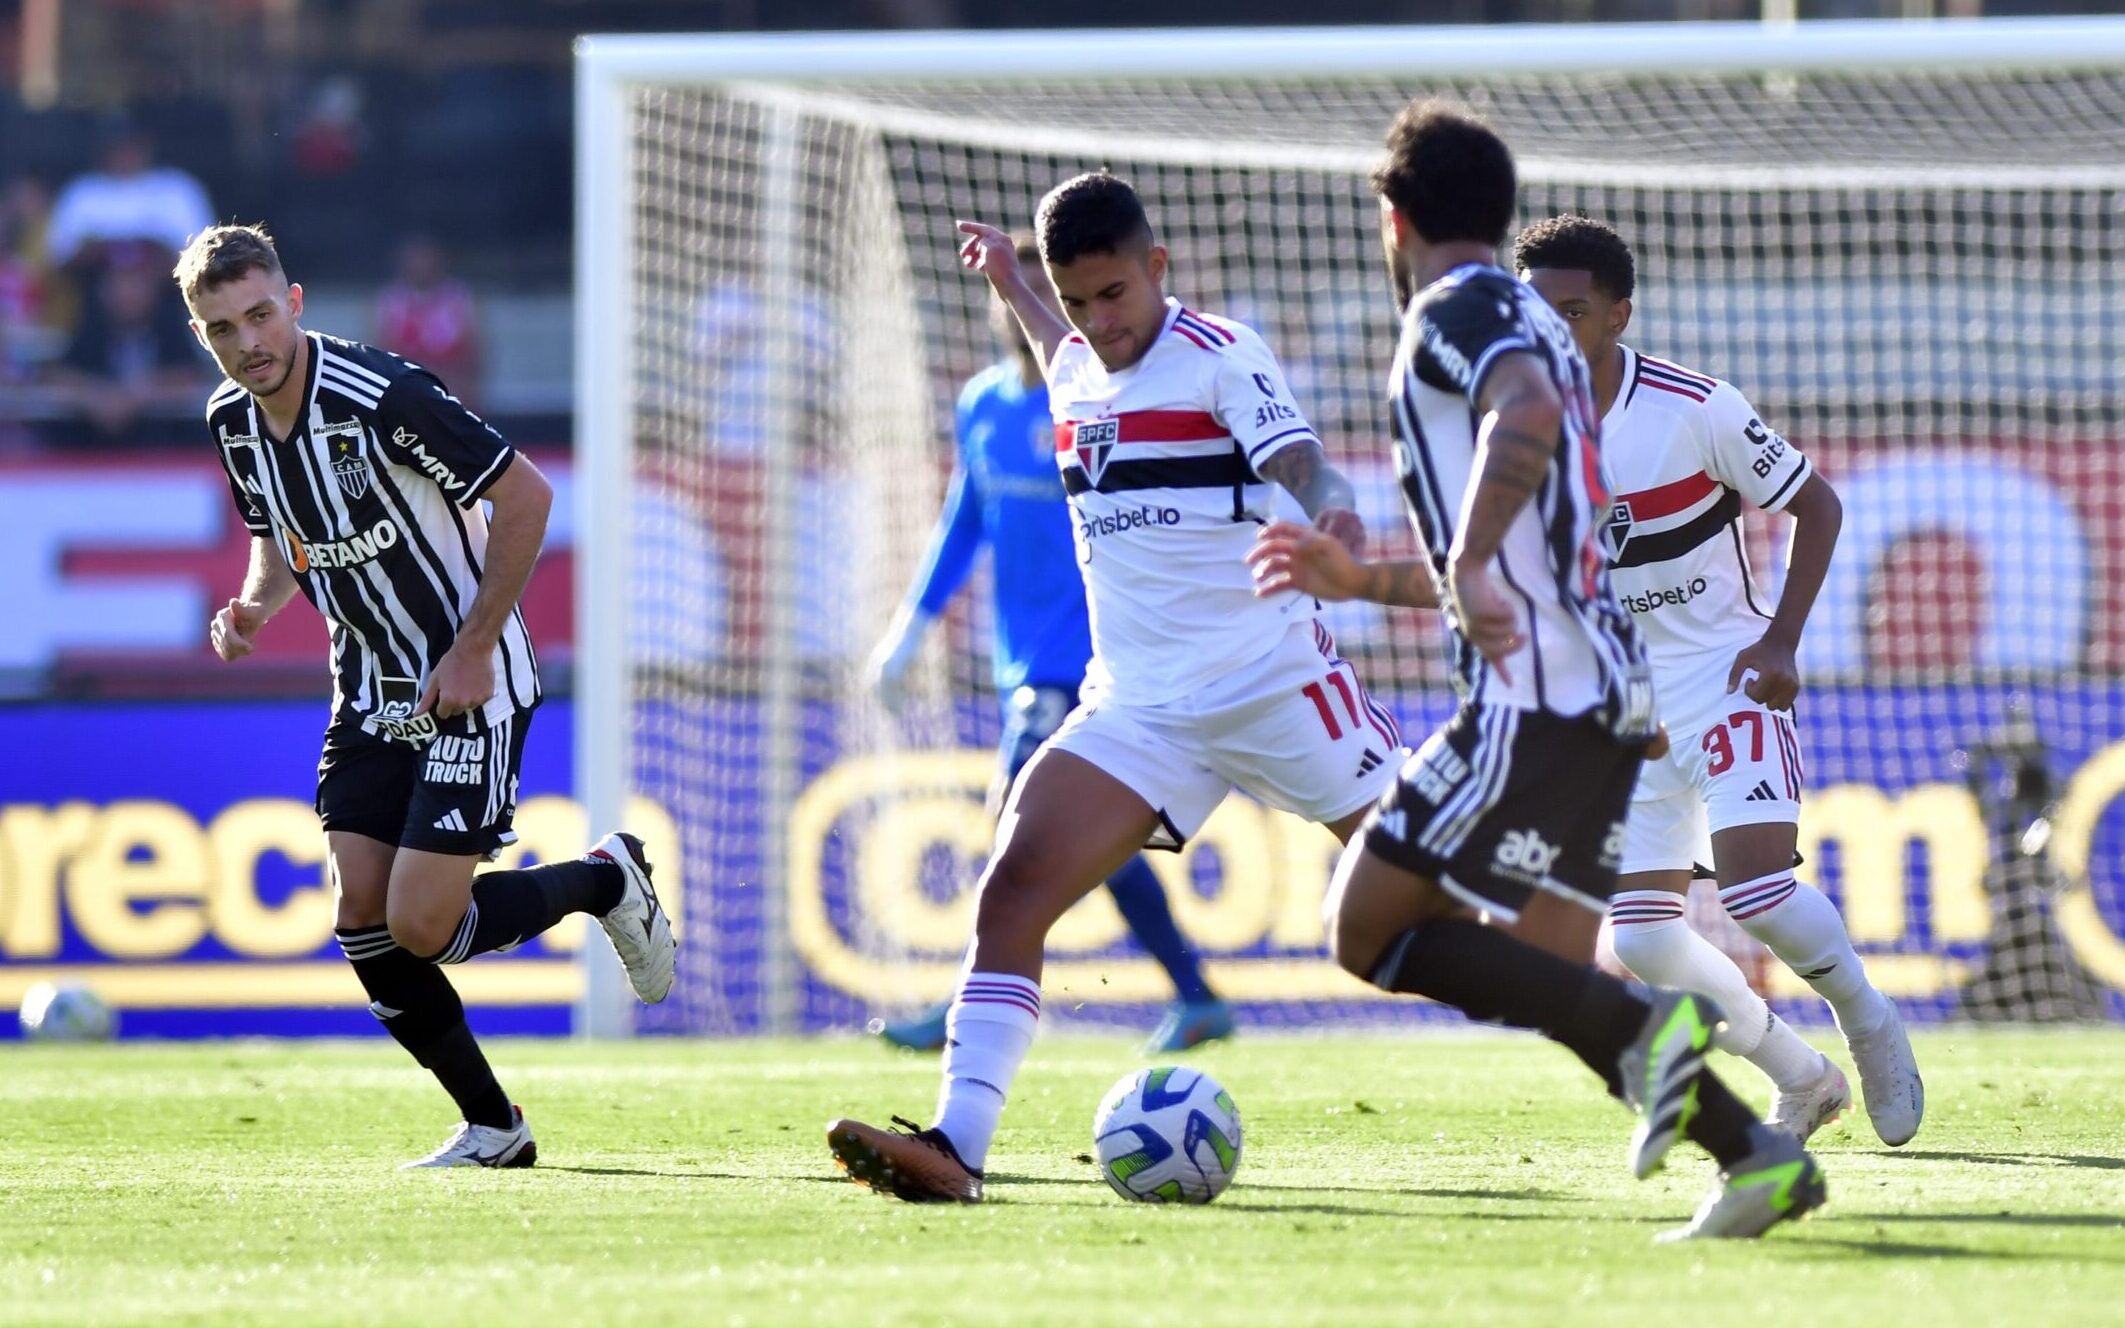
[(1500, 803), (454, 793)]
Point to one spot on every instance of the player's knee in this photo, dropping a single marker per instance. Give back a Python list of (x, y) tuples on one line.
[(1011, 906), (418, 930), (1645, 947), (1355, 947), (353, 913)]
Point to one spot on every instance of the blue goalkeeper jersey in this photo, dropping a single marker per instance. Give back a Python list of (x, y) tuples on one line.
[(1007, 493)]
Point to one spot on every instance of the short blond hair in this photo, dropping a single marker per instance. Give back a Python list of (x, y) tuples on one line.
[(222, 254)]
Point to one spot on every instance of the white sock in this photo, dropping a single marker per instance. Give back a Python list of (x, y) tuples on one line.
[(1658, 946), (1799, 925), (987, 1033), (1654, 942)]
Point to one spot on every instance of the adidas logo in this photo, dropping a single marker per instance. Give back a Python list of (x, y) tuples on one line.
[(454, 821), (1369, 762), (1761, 793)]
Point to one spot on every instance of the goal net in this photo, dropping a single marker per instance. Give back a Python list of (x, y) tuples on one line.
[(1910, 258)]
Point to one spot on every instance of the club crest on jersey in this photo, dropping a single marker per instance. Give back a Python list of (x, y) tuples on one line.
[(1619, 529), (350, 460), (1095, 444)]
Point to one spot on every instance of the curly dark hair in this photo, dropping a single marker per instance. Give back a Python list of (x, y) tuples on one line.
[(1582, 245), (1448, 174), (1093, 213)]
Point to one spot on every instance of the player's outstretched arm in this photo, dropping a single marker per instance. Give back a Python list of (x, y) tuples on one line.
[(1289, 556), (1523, 421), (268, 585), (1818, 516), (464, 677), (992, 253), (1324, 491)]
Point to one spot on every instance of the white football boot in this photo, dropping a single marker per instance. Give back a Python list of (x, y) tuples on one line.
[(1888, 1079), (638, 926), (484, 1146), (1804, 1110)]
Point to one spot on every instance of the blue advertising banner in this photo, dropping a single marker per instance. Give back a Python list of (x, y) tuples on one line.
[(168, 855)]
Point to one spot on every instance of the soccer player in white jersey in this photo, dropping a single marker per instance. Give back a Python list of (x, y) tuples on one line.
[(1686, 450), (1171, 427), (1507, 824)]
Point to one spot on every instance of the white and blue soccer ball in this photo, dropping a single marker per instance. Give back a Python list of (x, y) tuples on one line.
[(66, 1012), (1167, 1135)]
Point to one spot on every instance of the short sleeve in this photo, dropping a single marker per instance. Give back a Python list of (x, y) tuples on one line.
[(426, 429), (1465, 331), (1253, 402), (1748, 457), (254, 516)]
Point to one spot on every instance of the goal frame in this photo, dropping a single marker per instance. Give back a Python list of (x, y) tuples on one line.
[(609, 68)]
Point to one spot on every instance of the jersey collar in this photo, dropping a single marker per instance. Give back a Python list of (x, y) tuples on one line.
[(1624, 394), (259, 425)]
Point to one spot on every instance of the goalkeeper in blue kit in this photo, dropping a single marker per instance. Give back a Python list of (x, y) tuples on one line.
[(1007, 493)]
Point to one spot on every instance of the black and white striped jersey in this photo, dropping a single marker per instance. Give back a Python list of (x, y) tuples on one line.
[(1581, 652), (374, 501)]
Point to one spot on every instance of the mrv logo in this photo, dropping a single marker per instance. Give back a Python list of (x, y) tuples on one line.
[(427, 463), (1660, 599)]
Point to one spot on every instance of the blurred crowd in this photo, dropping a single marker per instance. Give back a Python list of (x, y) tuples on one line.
[(96, 350)]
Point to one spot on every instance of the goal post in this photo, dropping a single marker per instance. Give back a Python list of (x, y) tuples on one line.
[(1905, 241)]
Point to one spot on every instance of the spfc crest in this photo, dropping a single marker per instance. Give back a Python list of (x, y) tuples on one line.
[(1619, 530), (350, 459), (1095, 444)]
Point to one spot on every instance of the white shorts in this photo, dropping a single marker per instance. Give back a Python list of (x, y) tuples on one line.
[(1295, 729), (1730, 762)]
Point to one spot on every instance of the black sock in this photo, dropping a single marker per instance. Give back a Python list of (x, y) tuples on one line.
[(418, 1006), (1494, 977), (1723, 1126), (1499, 979), (510, 907)]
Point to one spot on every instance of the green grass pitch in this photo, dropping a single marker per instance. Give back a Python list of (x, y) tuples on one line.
[(1448, 1179)]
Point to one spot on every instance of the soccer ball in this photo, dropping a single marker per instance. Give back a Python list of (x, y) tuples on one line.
[(66, 1012), (1167, 1135)]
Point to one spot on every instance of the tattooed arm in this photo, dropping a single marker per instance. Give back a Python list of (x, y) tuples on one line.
[(1523, 421), (1289, 556), (1324, 491)]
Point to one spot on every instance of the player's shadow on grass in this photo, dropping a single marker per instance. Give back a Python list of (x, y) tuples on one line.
[(1294, 1205), (692, 1173), (1874, 1249), (2016, 1159), (2100, 1221)]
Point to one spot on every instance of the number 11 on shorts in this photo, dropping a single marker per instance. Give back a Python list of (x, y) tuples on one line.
[(1318, 694)]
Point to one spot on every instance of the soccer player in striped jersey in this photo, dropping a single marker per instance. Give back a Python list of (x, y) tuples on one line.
[(1686, 450), (1171, 427), (1505, 827), (1007, 494), (362, 481)]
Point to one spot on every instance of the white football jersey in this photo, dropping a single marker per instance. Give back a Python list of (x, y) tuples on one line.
[(1160, 463), (1684, 451)]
